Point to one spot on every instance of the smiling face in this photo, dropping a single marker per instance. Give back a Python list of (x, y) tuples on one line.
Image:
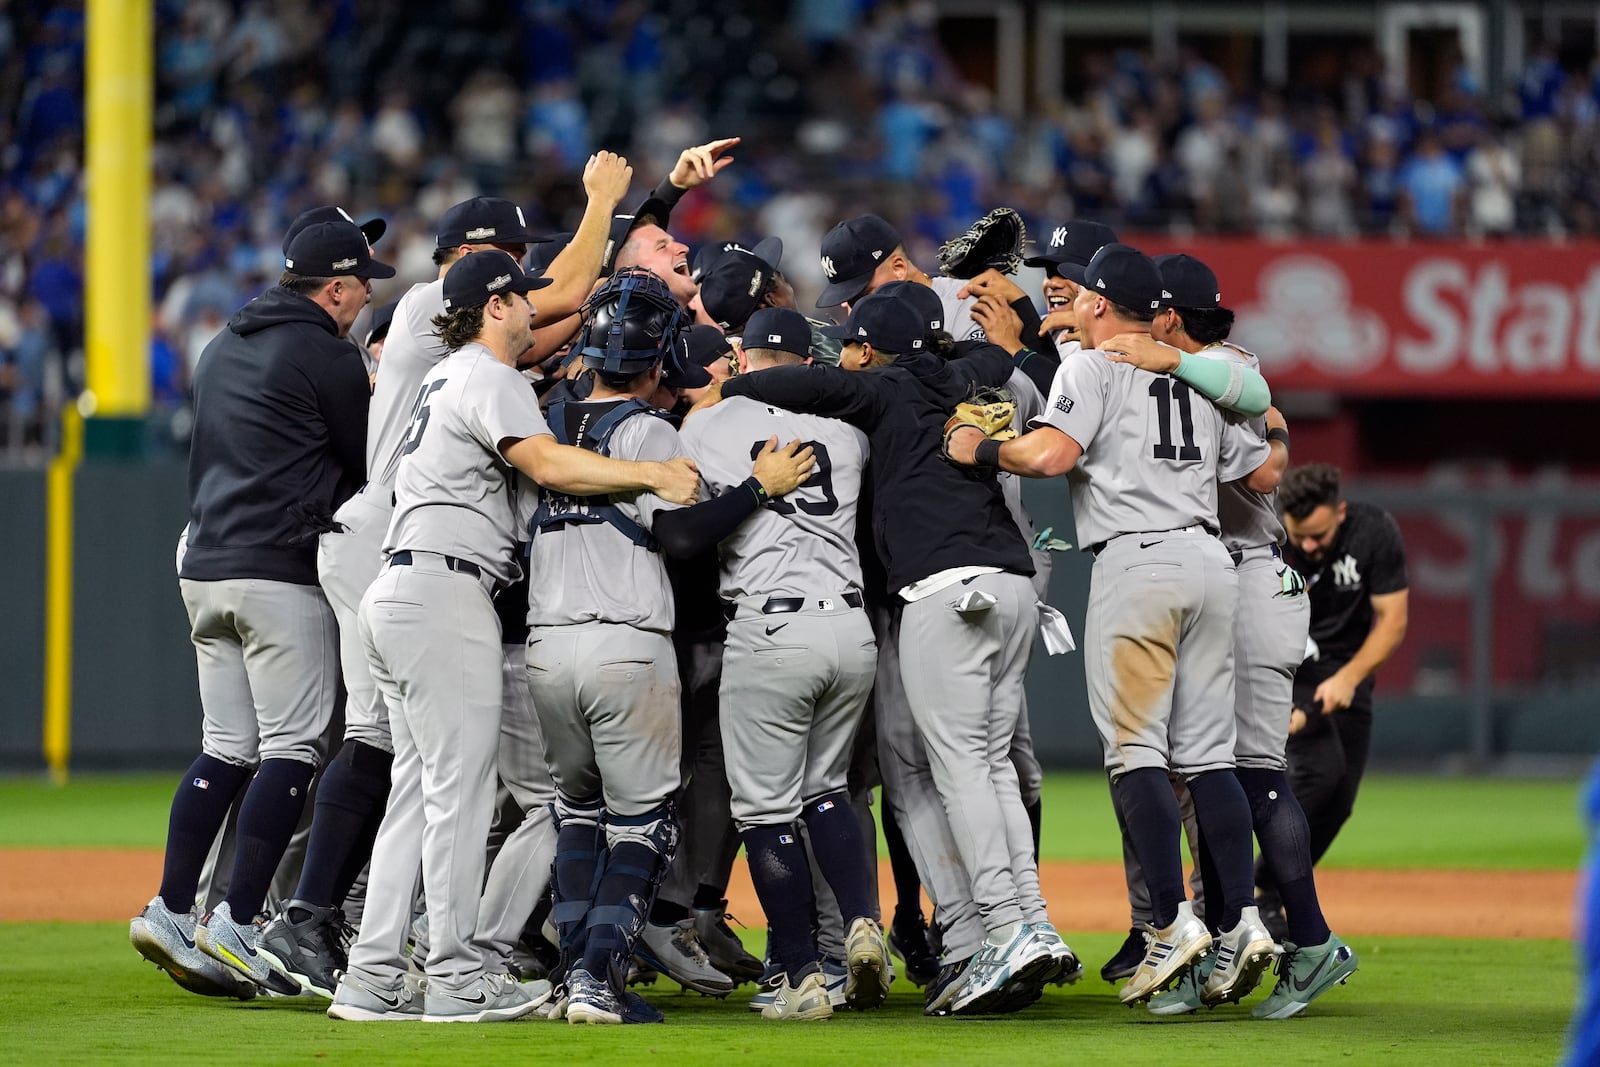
[(657, 251)]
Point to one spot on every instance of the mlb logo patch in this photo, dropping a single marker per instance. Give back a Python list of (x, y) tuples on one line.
[(785, 839), (774, 338), (826, 805), (201, 783)]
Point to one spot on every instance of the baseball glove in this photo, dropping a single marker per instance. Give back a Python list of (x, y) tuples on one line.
[(993, 242), (990, 410)]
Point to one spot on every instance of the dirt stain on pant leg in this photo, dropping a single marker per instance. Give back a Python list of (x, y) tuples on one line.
[(1142, 668)]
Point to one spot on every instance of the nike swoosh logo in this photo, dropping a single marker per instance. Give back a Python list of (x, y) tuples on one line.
[(481, 998), (969, 581), (1301, 987), (181, 935), (774, 629), (393, 1002), (1147, 544)]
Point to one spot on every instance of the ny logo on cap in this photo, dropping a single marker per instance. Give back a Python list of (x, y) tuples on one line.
[(480, 233), (499, 283), (828, 268), (1058, 237), (344, 264)]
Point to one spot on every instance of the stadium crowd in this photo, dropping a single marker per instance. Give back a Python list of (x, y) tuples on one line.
[(264, 109)]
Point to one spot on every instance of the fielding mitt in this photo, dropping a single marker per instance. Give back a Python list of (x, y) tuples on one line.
[(993, 242), (990, 410)]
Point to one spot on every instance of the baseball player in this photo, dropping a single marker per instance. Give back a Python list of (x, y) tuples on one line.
[(736, 282), (956, 561), (280, 398), (433, 642), (1270, 629), (600, 661), (351, 796), (1145, 460), (795, 678)]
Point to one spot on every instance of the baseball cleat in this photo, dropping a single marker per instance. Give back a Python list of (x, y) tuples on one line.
[(867, 957), (1126, 961), (358, 1000), (1023, 963), (805, 1000), (237, 945), (166, 939), (675, 951), (1304, 974), (908, 939), (1168, 953), (936, 997), (1068, 967), (591, 999), (489, 998), (309, 941), (1185, 997), (1243, 955), (723, 947)]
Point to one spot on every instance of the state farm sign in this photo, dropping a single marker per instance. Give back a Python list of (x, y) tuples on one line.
[(1420, 319)]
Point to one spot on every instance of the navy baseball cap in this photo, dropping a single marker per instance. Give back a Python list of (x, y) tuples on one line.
[(378, 328), (919, 296), (1123, 275), (477, 276), (679, 370), (851, 252), (732, 289), (884, 322), (784, 329), (372, 229), (769, 250), (1189, 283), (1075, 242), (332, 250), (707, 344), (484, 220), (541, 255)]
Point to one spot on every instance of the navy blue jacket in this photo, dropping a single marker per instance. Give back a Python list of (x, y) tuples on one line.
[(280, 441)]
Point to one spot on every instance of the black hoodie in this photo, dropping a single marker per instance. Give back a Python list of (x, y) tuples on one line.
[(280, 440), (928, 515)]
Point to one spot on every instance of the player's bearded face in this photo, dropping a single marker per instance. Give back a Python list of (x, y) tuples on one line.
[(1315, 534)]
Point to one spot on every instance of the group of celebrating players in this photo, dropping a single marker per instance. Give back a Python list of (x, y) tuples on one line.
[(586, 558)]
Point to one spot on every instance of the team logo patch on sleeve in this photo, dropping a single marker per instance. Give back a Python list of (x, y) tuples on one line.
[(1063, 404)]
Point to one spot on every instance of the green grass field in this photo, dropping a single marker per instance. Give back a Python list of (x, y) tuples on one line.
[(78, 993), (1400, 822)]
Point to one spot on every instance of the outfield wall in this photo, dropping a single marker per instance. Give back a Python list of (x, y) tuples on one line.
[(135, 704)]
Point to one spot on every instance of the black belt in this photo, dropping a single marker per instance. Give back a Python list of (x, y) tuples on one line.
[(1100, 546), (779, 605), (1238, 553), (460, 566)]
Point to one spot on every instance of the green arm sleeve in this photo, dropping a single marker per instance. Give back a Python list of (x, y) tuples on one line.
[(1227, 383)]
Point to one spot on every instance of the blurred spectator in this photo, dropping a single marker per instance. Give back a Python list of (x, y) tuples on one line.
[(1430, 188), (1495, 176)]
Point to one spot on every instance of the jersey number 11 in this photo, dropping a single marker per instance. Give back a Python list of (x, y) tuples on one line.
[(1169, 392)]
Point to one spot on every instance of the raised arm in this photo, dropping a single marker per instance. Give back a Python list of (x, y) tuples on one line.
[(1227, 382), (605, 180), (812, 390)]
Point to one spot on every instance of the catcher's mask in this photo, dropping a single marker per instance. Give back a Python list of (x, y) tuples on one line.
[(629, 323)]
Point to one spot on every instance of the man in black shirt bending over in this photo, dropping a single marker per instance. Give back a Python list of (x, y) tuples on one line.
[(1353, 560)]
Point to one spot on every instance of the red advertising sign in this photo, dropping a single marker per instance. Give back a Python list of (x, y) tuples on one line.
[(1434, 319)]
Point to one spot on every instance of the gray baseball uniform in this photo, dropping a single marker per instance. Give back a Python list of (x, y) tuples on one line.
[(794, 682), (433, 642), (1158, 650), (958, 320), (349, 558), (1274, 615), (601, 665)]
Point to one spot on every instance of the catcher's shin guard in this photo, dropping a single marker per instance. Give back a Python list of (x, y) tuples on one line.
[(579, 864), (640, 847)]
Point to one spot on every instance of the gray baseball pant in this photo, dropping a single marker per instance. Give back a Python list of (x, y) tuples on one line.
[(348, 561)]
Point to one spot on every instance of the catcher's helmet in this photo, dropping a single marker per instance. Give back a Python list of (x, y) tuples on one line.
[(630, 322)]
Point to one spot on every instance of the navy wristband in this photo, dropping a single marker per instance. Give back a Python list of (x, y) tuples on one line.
[(987, 454)]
